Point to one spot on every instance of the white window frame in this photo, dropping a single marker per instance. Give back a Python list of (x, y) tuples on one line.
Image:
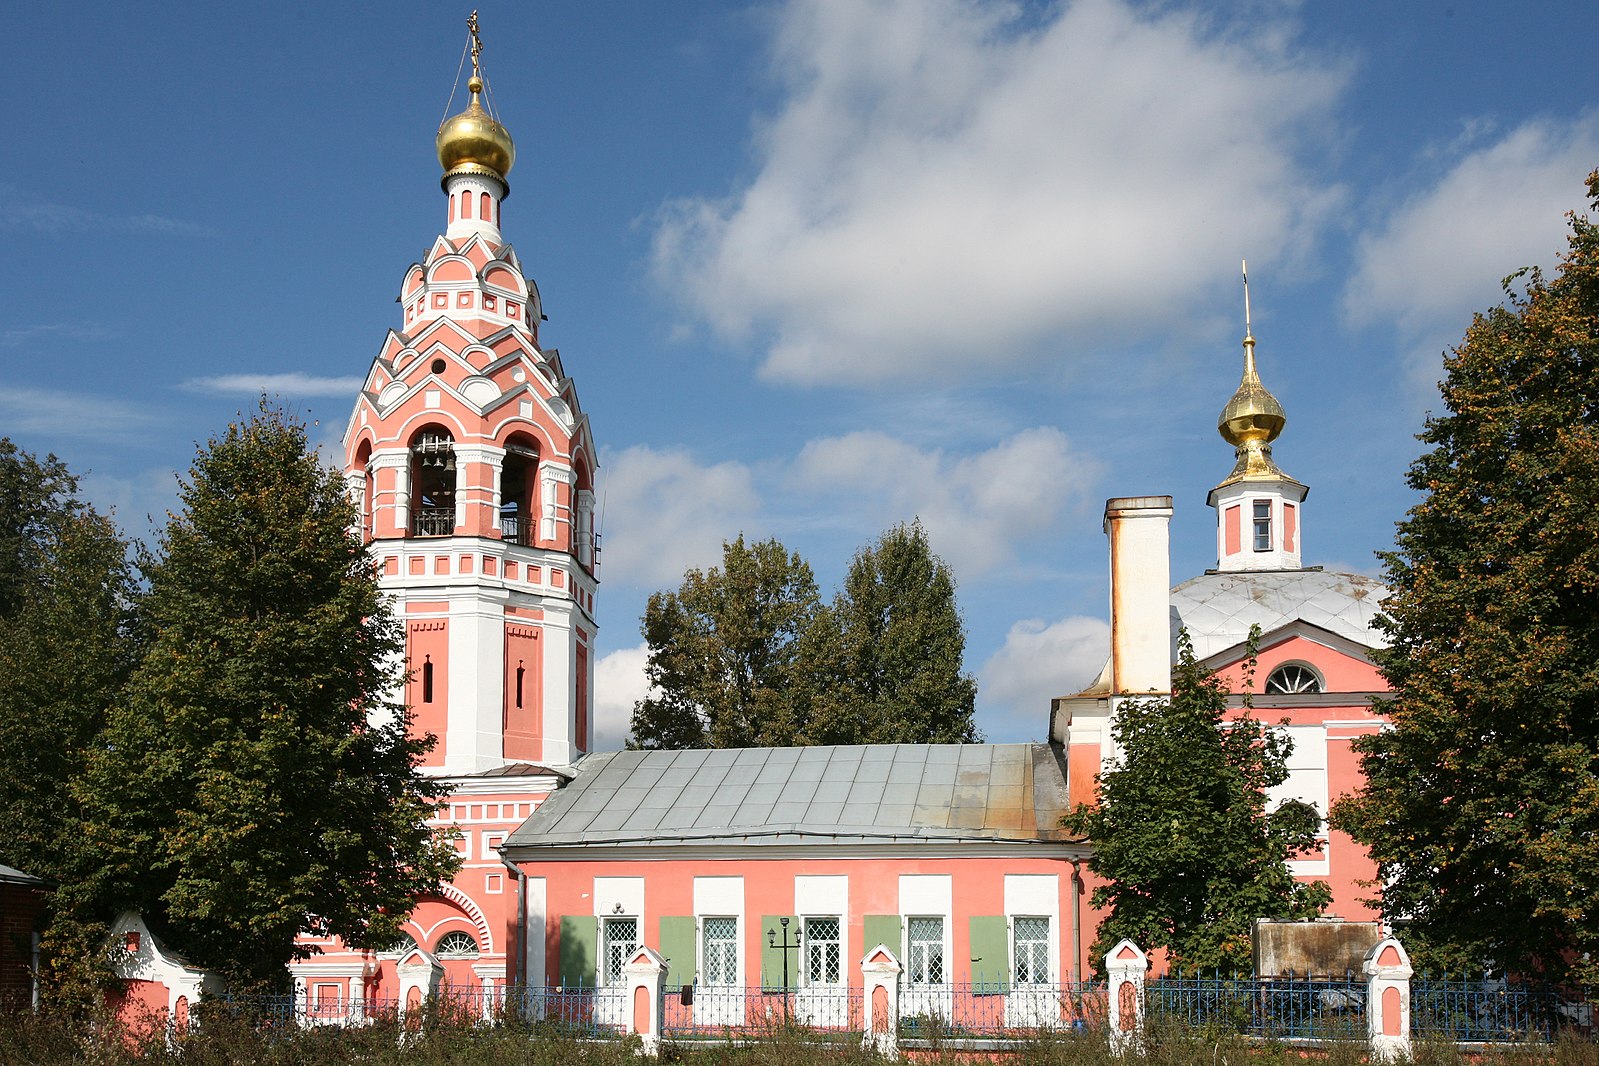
[(1039, 975), (606, 978), (910, 951), (805, 950), (703, 945)]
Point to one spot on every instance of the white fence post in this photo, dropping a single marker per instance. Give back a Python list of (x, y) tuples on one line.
[(880, 971), (646, 980), (1126, 967), (1388, 972)]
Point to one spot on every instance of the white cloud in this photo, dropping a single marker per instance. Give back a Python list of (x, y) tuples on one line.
[(975, 507), (618, 684), (53, 414), (71, 331), (293, 384), (1038, 662), (945, 176), (21, 210), (664, 513), (1439, 257)]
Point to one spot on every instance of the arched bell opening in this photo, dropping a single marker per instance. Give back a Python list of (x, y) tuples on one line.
[(433, 480), (518, 482)]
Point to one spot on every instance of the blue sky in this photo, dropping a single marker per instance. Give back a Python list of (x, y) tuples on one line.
[(815, 267)]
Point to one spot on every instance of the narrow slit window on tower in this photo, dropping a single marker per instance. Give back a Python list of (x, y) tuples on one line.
[(1263, 525), (483, 206), (519, 673), (427, 679)]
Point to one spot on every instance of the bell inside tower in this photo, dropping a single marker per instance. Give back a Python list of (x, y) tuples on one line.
[(433, 478)]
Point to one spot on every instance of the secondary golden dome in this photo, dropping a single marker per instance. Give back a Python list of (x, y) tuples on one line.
[(1253, 414), (473, 142)]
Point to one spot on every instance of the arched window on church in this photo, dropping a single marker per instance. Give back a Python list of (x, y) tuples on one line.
[(518, 479), (456, 945), (1293, 679), (363, 464), (433, 483)]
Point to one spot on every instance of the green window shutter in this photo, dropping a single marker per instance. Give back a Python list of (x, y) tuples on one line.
[(677, 944), (881, 929), (990, 953), (772, 956), (580, 935)]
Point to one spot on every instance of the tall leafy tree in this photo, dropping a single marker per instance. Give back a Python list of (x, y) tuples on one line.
[(1482, 803), (253, 782), (724, 658), (65, 588), (891, 650), (1181, 834)]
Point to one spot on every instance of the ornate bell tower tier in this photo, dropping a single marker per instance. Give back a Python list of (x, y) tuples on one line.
[(1259, 508), (474, 467)]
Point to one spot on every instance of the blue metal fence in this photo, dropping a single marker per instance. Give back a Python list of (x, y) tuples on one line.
[(719, 1012), (992, 1011), (1278, 1008), (1486, 1011)]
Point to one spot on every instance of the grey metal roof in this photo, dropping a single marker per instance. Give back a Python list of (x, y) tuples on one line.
[(12, 876), (1219, 608), (878, 793)]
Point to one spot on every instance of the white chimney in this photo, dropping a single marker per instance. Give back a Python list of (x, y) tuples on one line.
[(1139, 528)]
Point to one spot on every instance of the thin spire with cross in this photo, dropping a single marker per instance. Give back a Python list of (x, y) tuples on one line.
[(477, 44), (1248, 333)]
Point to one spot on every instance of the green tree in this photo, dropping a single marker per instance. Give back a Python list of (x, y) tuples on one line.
[(253, 782), (1481, 805), (65, 587), (724, 653), (892, 649), (1180, 830)]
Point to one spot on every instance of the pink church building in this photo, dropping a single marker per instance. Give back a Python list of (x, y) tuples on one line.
[(473, 466), (1314, 669)]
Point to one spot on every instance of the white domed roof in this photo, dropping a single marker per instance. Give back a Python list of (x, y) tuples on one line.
[(1219, 608)]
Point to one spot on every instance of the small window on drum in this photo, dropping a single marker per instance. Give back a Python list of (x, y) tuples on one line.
[(1293, 679), (456, 946)]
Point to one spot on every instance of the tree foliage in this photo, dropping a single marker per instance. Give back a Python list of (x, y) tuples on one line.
[(65, 588), (1182, 838), (747, 654), (1482, 803), (724, 660), (252, 782), (892, 650)]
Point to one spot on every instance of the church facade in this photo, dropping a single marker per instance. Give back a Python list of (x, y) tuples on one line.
[(472, 465), (1313, 675), (474, 470)]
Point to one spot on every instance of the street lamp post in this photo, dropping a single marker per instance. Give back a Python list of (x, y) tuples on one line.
[(785, 947)]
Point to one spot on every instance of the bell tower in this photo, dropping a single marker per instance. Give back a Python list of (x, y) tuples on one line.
[(473, 467), (1258, 507)]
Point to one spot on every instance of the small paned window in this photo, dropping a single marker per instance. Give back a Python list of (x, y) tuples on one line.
[(924, 939), (1030, 950), (1263, 525), (620, 941), (402, 945), (1293, 679), (456, 945), (824, 955), (719, 950)]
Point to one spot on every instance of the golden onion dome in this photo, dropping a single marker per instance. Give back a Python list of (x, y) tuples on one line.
[(1253, 414), (473, 142)]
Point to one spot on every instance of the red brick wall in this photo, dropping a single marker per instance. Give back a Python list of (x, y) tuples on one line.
[(20, 907)]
